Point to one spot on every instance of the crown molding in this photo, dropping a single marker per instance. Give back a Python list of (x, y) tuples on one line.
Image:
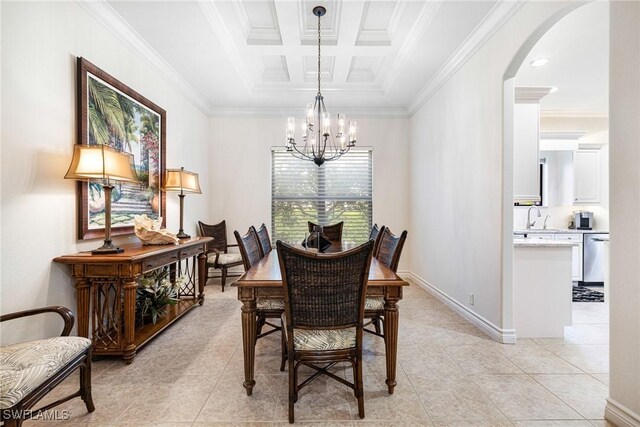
[(427, 13), (562, 135), (574, 114), (111, 20), (378, 113), (499, 15), (219, 28), (530, 95)]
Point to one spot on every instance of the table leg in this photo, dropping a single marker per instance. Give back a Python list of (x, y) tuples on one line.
[(202, 276), (83, 298), (391, 317), (129, 351), (248, 336)]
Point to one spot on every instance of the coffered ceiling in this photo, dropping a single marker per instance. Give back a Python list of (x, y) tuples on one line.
[(379, 57)]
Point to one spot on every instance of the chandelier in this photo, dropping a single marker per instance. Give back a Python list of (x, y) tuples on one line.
[(318, 143)]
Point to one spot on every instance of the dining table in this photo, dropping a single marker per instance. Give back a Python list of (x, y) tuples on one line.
[(264, 280)]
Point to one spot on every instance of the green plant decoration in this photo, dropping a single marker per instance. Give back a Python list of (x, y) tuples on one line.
[(155, 293)]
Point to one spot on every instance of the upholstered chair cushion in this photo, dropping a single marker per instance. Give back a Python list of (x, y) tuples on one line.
[(374, 303), (270, 304), (324, 339), (24, 366), (224, 259)]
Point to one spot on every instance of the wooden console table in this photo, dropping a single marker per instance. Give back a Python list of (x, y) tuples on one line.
[(106, 291)]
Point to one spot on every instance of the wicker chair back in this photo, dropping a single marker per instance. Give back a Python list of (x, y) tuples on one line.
[(263, 238), (219, 234), (249, 247), (390, 248), (331, 232), (324, 290)]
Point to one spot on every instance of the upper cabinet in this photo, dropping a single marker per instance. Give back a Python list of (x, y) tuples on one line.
[(586, 177), (575, 169), (526, 149)]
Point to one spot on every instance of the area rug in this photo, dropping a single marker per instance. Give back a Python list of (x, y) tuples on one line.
[(582, 294)]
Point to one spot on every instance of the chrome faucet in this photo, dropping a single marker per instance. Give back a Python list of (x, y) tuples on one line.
[(544, 225), (529, 223)]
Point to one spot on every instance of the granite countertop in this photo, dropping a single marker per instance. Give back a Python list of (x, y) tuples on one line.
[(559, 231), (542, 243)]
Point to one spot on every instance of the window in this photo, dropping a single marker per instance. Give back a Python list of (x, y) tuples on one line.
[(339, 190)]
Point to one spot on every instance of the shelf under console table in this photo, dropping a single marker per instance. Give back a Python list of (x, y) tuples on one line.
[(106, 288)]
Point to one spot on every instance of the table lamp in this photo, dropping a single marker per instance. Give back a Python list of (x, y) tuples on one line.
[(105, 164), (182, 181)]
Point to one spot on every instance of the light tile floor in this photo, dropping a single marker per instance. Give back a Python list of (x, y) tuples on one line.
[(449, 374)]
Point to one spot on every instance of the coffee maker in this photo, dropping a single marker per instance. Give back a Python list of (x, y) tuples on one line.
[(583, 220)]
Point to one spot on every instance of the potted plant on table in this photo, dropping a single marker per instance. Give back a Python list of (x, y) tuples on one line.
[(155, 293)]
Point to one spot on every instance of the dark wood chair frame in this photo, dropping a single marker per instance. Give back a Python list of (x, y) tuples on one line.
[(82, 361), (311, 358), (263, 238), (250, 257), (218, 245), (332, 232), (374, 235), (392, 262)]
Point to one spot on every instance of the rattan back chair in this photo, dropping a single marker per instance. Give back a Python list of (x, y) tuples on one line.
[(266, 307), (332, 232), (218, 256), (249, 247), (324, 314), (388, 251), (390, 248), (375, 236), (263, 238)]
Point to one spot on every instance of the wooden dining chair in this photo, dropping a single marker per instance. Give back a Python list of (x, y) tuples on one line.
[(375, 236), (324, 311), (218, 255), (389, 249), (266, 307), (263, 238), (331, 232)]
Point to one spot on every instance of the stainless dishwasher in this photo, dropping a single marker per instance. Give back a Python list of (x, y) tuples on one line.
[(593, 258)]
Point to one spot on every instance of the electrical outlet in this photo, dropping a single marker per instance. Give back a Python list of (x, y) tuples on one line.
[(472, 299)]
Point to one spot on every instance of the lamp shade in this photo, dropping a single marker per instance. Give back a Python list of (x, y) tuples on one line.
[(101, 162), (180, 180)]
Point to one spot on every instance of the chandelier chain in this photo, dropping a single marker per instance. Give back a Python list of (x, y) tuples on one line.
[(319, 40)]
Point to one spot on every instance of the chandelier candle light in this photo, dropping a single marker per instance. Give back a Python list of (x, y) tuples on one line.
[(319, 144), (106, 165), (181, 181)]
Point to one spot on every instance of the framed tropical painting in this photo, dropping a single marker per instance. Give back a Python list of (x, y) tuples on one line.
[(111, 113)]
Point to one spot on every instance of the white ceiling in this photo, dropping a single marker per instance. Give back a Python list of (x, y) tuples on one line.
[(249, 56), (578, 49)]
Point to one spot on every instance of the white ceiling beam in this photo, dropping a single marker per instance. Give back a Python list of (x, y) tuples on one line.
[(309, 50), (287, 13), (350, 23)]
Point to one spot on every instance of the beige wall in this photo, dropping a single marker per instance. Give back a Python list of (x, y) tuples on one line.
[(458, 210), (623, 407), (241, 168), (40, 42)]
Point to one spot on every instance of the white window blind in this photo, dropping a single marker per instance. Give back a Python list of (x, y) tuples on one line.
[(339, 190)]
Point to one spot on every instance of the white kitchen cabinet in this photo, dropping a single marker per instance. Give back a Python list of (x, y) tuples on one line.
[(586, 177), (526, 144), (540, 236), (576, 254)]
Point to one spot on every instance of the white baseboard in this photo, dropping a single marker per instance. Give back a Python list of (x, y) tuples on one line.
[(505, 336), (620, 415)]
